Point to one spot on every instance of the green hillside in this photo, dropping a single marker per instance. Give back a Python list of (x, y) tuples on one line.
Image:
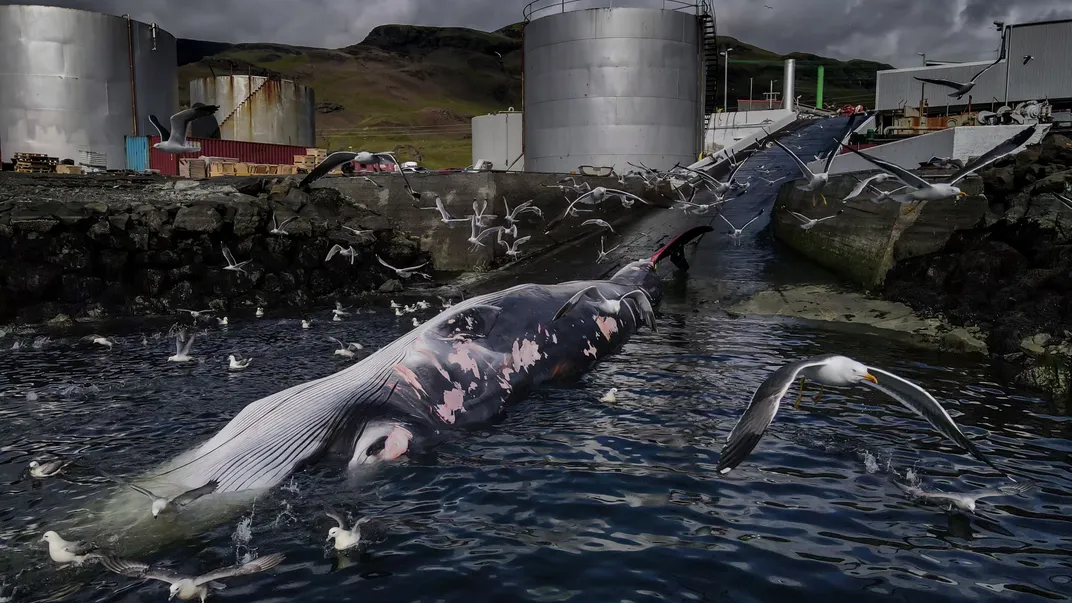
[(414, 89)]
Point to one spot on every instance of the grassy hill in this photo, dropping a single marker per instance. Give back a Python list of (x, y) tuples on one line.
[(414, 89)]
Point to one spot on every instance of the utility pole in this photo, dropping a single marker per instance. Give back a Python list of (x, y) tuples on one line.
[(749, 107), (726, 80)]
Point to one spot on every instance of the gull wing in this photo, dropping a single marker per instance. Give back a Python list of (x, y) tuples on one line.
[(937, 82), (385, 263), (521, 241), (180, 119), (756, 217), (999, 151), (227, 256), (329, 163), (840, 140), (398, 166), (985, 69), (801, 217), (803, 166), (341, 346), (164, 133), (1010, 490), (336, 248), (760, 412), (338, 519), (412, 268), (191, 495), (484, 233), (179, 337), (727, 221), (919, 401), (257, 565), (614, 191), (78, 547), (642, 302), (899, 172), (737, 168), (571, 302), (285, 222), (1063, 199), (189, 344), (861, 185), (137, 569)]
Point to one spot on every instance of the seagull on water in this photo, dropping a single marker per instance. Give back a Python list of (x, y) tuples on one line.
[(443, 215), (612, 306), (346, 350), (603, 252), (526, 207), (423, 305), (416, 323), (734, 232), (927, 191), (182, 352), (834, 370), (277, 228), (340, 310), (807, 223), (512, 250), (47, 469), (346, 252), (185, 587), (599, 223), (67, 551), (610, 396), (237, 363), (162, 503), (260, 312), (960, 89), (106, 342), (964, 502), (174, 142), (232, 265), (222, 321), (405, 272), (345, 538)]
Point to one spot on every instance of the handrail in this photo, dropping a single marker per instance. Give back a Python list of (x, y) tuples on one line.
[(534, 8)]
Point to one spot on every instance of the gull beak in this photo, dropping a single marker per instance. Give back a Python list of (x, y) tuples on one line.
[(870, 377), (962, 194)]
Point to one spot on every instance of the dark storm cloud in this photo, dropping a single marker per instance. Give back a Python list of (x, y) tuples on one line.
[(892, 31)]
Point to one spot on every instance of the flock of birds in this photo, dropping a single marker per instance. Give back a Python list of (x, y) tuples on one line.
[(705, 193)]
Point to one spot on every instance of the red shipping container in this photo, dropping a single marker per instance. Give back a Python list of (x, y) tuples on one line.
[(248, 152)]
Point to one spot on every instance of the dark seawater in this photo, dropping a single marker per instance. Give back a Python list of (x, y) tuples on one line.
[(567, 497)]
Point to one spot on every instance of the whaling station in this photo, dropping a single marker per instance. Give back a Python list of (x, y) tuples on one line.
[(603, 86)]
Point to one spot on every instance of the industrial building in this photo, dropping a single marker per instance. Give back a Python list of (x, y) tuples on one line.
[(1034, 61), (74, 83)]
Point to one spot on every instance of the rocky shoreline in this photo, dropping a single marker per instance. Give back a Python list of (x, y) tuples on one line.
[(83, 248), (1010, 275)]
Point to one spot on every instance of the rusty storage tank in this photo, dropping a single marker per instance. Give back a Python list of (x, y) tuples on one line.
[(255, 108), (75, 83)]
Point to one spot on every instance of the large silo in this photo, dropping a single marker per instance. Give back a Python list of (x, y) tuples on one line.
[(75, 82), (606, 86), (256, 108)]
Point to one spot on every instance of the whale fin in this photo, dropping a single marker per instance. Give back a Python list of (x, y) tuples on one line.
[(474, 322), (566, 307), (641, 298), (673, 249)]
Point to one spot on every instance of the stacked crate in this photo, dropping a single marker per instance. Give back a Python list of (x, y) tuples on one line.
[(310, 159), (35, 163)]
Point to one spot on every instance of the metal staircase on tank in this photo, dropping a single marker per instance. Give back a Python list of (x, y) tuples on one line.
[(244, 101), (710, 53)]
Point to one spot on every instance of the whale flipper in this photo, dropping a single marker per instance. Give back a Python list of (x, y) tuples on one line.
[(475, 323), (642, 302)]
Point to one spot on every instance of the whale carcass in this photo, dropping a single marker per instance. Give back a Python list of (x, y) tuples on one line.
[(458, 368)]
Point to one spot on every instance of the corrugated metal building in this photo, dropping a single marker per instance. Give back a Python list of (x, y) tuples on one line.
[(249, 152), (1048, 75)]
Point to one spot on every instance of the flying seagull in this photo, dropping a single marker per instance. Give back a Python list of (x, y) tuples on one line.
[(405, 272), (182, 352), (807, 223), (161, 503), (926, 191), (512, 250), (526, 207), (476, 235), (817, 181), (277, 227), (107, 342), (444, 216), (603, 252), (832, 369), (960, 89), (346, 350), (734, 232), (964, 502), (599, 223), (338, 158), (232, 265), (174, 142), (346, 252), (184, 587), (865, 183)]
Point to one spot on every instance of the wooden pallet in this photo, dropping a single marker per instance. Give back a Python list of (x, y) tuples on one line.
[(30, 169)]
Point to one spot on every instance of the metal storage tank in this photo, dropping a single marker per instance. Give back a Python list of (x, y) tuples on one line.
[(75, 81), (255, 108), (497, 138), (606, 86)]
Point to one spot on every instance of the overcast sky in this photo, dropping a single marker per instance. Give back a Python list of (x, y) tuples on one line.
[(891, 31)]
